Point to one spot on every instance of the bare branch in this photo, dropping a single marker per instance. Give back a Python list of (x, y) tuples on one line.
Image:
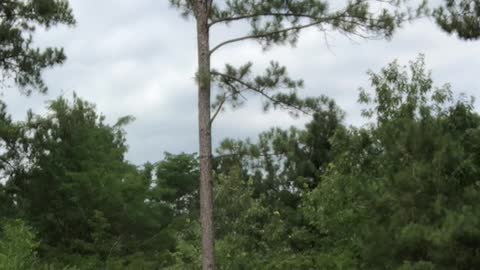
[(219, 108)]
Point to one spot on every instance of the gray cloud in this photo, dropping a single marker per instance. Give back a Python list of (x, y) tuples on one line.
[(138, 58)]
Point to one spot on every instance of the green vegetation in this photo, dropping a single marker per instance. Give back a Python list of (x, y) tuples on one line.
[(400, 193)]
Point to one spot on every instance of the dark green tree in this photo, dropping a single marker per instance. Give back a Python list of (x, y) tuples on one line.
[(177, 182), (260, 189), (20, 60), (11, 163), (403, 193), (81, 195), (285, 159)]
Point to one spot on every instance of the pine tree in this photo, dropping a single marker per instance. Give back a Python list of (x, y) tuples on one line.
[(20, 61), (273, 22), (461, 17)]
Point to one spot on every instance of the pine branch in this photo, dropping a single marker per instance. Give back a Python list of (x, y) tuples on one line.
[(250, 16), (284, 14), (235, 91), (261, 92), (317, 21), (344, 20), (293, 28)]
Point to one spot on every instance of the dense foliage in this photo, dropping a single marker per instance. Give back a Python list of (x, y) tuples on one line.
[(400, 193), (403, 193), (72, 184)]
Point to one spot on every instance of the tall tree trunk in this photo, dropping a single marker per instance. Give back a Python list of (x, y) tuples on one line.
[(205, 137)]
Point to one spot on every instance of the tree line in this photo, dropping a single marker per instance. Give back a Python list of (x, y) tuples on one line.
[(401, 192), (398, 193)]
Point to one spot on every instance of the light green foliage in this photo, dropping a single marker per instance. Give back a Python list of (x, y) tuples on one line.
[(19, 59), (17, 246), (187, 254)]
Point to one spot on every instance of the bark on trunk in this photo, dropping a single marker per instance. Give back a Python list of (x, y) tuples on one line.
[(205, 137)]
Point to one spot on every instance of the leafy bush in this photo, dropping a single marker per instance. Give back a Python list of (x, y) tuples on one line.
[(17, 246)]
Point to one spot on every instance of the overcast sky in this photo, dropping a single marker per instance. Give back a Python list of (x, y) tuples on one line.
[(138, 58)]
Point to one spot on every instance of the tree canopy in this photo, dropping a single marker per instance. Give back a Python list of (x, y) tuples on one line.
[(399, 192)]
